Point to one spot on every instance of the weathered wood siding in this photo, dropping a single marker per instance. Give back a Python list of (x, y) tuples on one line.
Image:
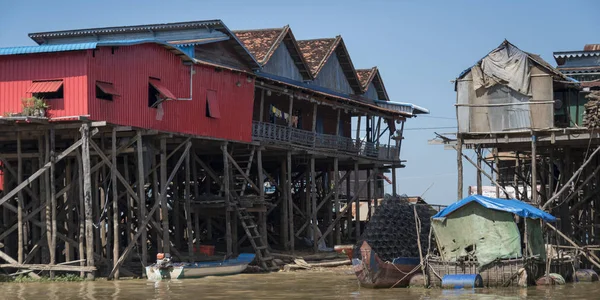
[(371, 92), (282, 64), (332, 76)]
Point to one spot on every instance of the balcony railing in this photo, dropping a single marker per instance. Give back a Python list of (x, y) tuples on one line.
[(288, 135)]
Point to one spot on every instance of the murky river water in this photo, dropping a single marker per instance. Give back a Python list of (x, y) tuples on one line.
[(300, 285)]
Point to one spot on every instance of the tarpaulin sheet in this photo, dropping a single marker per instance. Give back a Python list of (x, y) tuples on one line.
[(475, 230), (505, 64), (509, 205)]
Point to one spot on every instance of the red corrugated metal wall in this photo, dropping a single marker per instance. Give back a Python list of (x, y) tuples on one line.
[(128, 69), (18, 71)]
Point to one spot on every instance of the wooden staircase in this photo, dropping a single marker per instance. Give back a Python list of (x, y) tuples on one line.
[(238, 186), (259, 244)]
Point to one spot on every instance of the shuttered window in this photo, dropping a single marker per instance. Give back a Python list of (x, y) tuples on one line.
[(48, 89), (105, 90), (212, 105)]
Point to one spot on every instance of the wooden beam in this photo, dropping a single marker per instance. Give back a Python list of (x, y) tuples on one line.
[(20, 200), (459, 166), (188, 207), (226, 194), (336, 199), (115, 199), (250, 181), (486, 174), (50, 267), (290, 206), (9, 259), (534, 191), (313, 200), (166, 239), (150, 214), (357, 198)]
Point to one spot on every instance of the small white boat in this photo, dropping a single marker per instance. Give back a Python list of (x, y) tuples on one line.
[(165, 269)]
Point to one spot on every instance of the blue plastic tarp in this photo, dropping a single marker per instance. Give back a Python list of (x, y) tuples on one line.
[(516, 207)]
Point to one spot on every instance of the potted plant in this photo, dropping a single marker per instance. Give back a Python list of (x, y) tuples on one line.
[(35, 107)]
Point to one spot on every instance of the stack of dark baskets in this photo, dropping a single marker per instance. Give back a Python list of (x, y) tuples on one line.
[(591, 115), (392, 233)]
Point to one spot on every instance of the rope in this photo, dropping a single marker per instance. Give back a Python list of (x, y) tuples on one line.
[(406, 274)]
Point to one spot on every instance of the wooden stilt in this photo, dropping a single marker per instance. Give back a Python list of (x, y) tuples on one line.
[(226, 193), (327, 190), (534, 191), (313, 198), (369, 195), (459, 165), (394, 182), (115, 199), (164, 187), (290, 206), (497, 170), (81, 210), (142, 204), (285, 238), (336, 199), (188, 207), (130, 204), (348, 203), (53, 197), (196, 210), (479, 179), (20, 200), (357, 200), (87, 191)]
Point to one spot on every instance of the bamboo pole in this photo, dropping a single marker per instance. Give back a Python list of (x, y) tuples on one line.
[(87, 191)]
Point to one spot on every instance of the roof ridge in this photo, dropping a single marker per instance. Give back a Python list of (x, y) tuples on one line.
[(260, 29)]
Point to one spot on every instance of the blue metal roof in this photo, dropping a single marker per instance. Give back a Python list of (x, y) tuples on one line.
[(88, 46), (508, 205)]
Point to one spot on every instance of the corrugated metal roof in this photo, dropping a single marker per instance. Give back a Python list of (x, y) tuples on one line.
[(88, 46), (49, 86), (402, 106), (46, 49), (201, 41), (569, 54)]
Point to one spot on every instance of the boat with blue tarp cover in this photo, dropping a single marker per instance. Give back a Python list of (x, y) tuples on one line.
[(164, 268)]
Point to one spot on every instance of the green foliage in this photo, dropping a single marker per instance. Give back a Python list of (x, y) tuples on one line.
[(34, 106)]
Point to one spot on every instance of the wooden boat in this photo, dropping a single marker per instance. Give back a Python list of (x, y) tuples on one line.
[(373, 272), (165, 269)]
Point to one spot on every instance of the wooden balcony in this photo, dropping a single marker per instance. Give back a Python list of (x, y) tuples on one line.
[(279, 134)]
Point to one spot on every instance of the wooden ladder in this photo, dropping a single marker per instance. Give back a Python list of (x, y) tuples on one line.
[(258, 242)]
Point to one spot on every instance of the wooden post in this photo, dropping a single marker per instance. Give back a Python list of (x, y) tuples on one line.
[(115, 199), (357, 201), (336, 198), (53, 197), (20, 199), (142, 196), (81, 194), (226, 193), (459, 165), (188, 207), (196, 209), (551, 175), (87, 192), (130, 204), (326, 191), (285, 237), (516, 178), (313, 200), (497, 170), (288, 191), (348, 211), (534, 191), (394, 182), (261, 112), (164, 184), (369, 195), (155, 191), (358, 128), (290, 110), (177, 234), (479, 179)]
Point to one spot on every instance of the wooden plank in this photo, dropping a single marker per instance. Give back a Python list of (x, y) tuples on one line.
[(49, 267), (149, 215), (241, 171), (9, 259)]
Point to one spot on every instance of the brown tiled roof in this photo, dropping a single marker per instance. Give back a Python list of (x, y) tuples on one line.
[(317, 51), (260, 42), (365, 76), (591, 47)]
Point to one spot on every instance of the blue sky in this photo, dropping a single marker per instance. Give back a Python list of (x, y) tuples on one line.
[(419, 47)]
